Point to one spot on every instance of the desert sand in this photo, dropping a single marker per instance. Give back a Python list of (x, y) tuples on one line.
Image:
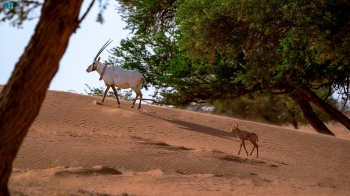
[(76, 147)]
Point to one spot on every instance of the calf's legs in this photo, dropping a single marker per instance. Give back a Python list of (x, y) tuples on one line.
[(255, 146), (242, 144), (257, 149)]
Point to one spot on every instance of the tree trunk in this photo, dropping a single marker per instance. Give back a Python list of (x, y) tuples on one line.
[(295, 124), (335, 114), (311, 117), (22, 96), (292, 114)]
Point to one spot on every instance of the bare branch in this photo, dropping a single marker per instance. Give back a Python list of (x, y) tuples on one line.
[(87, 11), (278, 93), (329, 92), (32, 2)]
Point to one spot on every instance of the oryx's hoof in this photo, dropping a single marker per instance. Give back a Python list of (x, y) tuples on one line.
[(99, 103), (138, 108), (118, 106)]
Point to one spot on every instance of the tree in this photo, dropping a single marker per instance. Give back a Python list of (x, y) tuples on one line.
[(154, 51), (226, 49), (288, 47), (22, 96)]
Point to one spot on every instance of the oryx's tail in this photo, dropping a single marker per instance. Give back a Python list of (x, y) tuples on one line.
[(144, 82)]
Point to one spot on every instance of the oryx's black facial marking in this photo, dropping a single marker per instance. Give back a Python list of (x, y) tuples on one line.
[(93, 68)]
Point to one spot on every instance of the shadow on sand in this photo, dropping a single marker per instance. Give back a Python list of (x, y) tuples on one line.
[(195, 127)]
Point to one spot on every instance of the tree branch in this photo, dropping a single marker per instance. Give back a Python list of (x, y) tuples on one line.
[(32, 2), (278, 93), (329, 92), (87, 11)]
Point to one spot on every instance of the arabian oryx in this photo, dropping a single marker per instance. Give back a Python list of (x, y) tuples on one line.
[(115, 76)]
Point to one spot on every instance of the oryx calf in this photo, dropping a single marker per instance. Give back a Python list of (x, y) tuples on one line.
[(115, 76), (245, 135)]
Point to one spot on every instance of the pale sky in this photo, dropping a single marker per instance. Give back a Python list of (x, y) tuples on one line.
[(83, 46)]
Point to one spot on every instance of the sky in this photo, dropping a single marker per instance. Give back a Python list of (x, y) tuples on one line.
[(82, 48)]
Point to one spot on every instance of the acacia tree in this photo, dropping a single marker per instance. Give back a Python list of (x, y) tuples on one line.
[(226, 49), (154, 50), (22, 96), (288, 47)]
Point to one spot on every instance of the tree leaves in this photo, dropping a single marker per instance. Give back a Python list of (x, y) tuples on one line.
[(204, 51)]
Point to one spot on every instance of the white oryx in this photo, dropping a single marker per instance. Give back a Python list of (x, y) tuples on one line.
[(115, 76)]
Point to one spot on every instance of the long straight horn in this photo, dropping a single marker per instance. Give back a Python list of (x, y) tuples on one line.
[(103, 47)]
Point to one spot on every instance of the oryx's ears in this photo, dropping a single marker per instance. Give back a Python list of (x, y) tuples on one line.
[(99, 58)]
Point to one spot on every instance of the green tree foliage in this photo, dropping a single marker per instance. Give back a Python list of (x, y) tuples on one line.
[(288, 45), (205, 51), (153, 50), (148, 16)]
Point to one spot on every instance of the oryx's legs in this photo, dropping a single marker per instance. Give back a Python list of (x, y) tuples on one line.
[(140, 101), (116, 95), (133, 103), (103, 99), (138, 91), (138, 94)]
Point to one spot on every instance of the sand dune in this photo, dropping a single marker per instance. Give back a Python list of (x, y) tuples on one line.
[(76, 147)]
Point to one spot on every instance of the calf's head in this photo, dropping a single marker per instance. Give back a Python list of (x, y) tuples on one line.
[(235, 130)]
